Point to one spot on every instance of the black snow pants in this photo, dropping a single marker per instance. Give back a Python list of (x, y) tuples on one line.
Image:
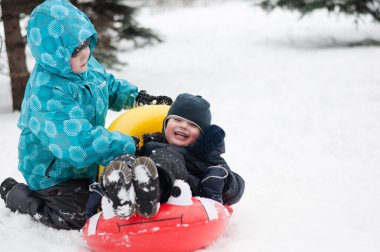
[(171, 166), (61, 206)]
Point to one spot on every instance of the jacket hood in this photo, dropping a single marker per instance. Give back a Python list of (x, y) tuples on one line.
[(55, 28)]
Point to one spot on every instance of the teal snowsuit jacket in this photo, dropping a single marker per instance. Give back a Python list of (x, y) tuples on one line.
[(63, 114)]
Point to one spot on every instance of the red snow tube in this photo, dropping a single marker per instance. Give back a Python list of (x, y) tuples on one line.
[(175, 228), (185, 223)]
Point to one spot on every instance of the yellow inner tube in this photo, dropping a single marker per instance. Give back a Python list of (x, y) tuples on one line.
[(139, 121)]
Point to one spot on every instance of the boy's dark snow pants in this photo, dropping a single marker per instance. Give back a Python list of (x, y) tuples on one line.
[(171, 166), (61, 206)]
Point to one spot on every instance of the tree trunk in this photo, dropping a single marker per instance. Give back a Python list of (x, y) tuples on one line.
[(15, 46)]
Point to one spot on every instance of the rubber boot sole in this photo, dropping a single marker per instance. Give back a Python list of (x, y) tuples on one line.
[(146, 185), (117, 181)]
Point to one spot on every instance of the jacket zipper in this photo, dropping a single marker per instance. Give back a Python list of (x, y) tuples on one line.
[(49, 168)]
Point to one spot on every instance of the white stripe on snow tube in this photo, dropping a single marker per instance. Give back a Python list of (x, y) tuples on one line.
[(210, 208), (93, 224)]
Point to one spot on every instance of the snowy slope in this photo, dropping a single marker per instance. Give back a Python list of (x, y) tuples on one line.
[(302, 116)]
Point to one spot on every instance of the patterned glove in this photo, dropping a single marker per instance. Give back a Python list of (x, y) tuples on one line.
[(143, 98)]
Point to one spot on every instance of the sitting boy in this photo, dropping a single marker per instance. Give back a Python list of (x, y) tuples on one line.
[(63, 139), (188, 149)]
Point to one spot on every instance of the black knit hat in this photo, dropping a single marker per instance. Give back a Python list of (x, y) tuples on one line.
[(193, 108)]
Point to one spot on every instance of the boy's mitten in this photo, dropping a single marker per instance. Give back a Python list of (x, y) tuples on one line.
[(143, 98), (213, 183), (152, 137), (94, 200)]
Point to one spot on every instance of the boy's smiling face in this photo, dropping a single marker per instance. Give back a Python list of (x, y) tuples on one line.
[(181, 132)]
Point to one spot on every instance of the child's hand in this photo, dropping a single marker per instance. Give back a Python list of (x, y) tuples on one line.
[(152, 137), (143, 98), (213, 183)]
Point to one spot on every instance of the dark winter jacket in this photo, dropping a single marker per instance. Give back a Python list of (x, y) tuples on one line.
[(205, 152)]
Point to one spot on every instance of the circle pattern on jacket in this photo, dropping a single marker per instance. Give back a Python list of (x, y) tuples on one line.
[(59, 12), (63, 114)]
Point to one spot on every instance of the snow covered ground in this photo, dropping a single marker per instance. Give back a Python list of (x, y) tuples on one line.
[(302, 116)]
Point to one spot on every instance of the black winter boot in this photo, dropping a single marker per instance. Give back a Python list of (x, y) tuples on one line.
[(146, 184), (6, 186), (117, 183)]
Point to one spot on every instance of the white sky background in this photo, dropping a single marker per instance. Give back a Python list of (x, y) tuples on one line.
[(300, 109)]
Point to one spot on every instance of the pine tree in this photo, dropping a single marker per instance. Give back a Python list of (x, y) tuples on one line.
[(113, 20), (351, 7), (11, 10)]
